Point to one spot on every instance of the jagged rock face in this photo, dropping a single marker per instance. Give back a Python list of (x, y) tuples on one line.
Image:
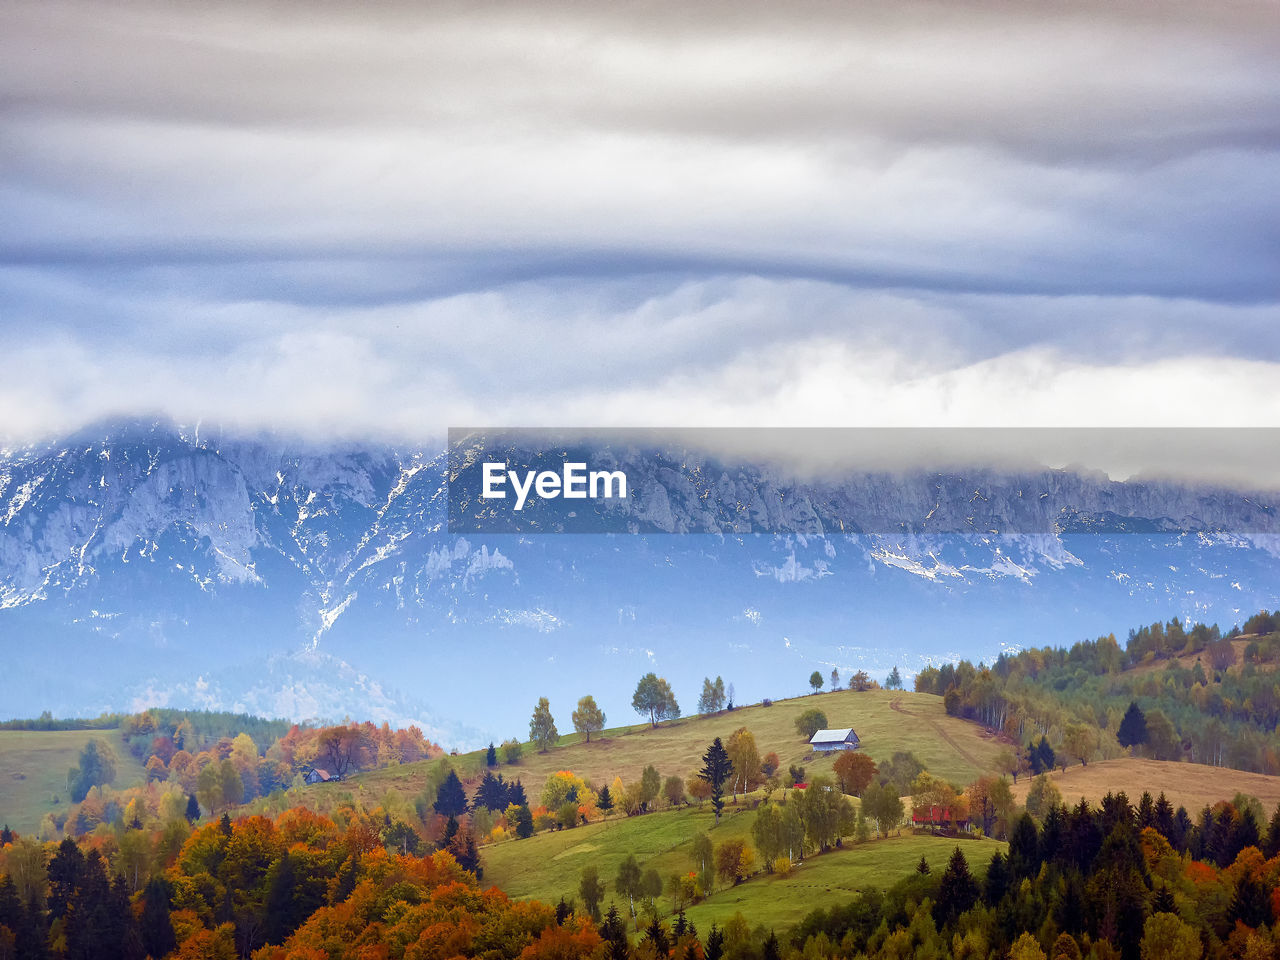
[(213, 568)]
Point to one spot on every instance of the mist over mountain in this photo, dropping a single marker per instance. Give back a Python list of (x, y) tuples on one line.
[(145, 563)]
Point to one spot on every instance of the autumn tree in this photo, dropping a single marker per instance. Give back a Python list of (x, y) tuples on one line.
[(860, 681), (1026, 948), (698, 788), (1080, 741), (342, 749), (653, 697), (745, 759), (716, 770), (673, 790), (588, 718), (854, 771), (1166, 937), (712, 698), (1042, 796), (209, 787), (542, 726), (734, 860), (815, 681), (650, 785)]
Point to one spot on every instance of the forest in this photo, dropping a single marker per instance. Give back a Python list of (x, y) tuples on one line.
[(1206, 697), (229, 849)]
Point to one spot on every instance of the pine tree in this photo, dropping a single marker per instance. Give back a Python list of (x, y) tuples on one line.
[(1024, 848), (516, 795), (957, 892), (193, 808), (997, 882), (467, 854), (493, 793), (604, 801), (715, 943), (1271, 845), (716, 769), (158, 938), (451, 799), (614, 932), (656, 934), (1133, 728), (491, 755), (922, 867), (66, 871)]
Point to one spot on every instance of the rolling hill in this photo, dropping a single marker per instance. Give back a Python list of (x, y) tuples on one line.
[(1192, 785), (549, 865), (33, 771), (887, 722)]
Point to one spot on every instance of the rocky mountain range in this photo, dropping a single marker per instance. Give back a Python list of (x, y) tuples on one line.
[(144, 562)]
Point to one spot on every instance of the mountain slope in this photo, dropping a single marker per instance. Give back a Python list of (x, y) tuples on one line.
[(198, 568)]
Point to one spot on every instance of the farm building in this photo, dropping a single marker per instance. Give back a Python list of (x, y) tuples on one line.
[(935, 816), (320, 776), (826, 741)]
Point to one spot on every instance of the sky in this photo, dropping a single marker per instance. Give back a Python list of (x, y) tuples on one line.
[(380, 220)]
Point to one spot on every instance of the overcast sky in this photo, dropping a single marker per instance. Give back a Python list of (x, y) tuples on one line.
[(383, 219)]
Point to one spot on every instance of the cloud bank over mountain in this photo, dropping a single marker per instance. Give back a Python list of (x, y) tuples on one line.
[(381, 221)]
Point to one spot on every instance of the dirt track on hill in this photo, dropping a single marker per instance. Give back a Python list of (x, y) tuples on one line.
[(896, 704)]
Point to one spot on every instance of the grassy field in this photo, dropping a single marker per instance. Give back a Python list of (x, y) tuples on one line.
[(33, 771), (886, 722), (1191, 785), (549, 865)]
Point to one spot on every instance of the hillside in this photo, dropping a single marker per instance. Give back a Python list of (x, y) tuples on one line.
[(887, 722), (1191, 785), (549, 865), (33, 771)]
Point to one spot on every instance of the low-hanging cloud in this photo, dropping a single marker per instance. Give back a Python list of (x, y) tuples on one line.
[(336, 218)]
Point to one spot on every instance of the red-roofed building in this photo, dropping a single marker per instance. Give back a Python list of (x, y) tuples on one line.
[(935, 817)]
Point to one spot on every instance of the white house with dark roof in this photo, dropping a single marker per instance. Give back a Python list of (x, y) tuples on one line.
[(826, 741)]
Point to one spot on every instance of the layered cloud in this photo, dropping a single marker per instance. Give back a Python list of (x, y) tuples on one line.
[(336, 217)]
